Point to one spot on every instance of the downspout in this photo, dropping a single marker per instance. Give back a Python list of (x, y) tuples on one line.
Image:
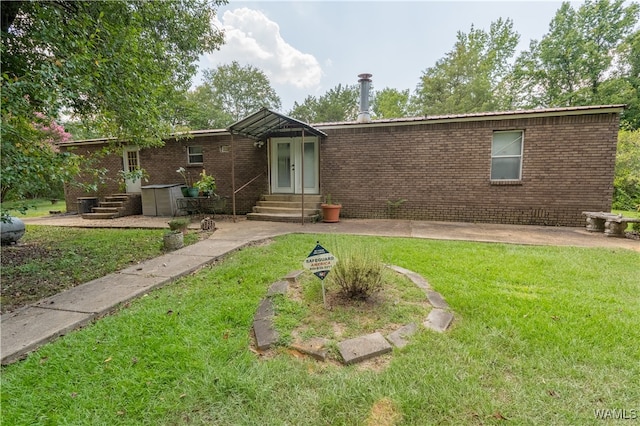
[(302, 175), (233, 180), (269, 164)]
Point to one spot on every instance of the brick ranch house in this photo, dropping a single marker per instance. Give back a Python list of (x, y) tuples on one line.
[(541, 167)]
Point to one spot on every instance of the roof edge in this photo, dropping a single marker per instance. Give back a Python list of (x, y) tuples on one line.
[(482, 116), (479, 116)]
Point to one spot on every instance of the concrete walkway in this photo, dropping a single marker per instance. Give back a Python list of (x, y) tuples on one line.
[(28, 328)]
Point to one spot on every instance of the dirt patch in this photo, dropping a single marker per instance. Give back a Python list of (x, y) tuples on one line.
[(383, 413), (18, 292), (24, 289), (398, 303)]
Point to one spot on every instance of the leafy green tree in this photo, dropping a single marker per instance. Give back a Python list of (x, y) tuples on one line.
[(231, 92), (573, 63), (470, 77), (626, 181), (630, 53), (199, 109), (116, 64), (337, 104), (391, 103)]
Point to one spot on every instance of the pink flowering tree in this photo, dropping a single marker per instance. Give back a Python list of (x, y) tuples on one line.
[(31, 163)]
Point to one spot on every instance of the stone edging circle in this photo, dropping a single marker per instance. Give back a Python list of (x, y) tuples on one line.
[(359, 348)]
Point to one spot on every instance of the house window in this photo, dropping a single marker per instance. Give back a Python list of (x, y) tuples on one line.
[(195, 155), (506, 155)]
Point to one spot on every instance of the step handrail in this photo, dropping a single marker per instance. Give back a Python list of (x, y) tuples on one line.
[(248, 183)]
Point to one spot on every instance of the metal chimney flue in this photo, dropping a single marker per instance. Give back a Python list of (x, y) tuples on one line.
[(365, 88)]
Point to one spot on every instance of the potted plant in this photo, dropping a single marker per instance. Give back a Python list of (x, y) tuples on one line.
[(206, 184), (189, 190), (179, 224), (330, 211)]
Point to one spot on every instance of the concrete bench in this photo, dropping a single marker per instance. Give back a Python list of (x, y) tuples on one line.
[(613, 225)]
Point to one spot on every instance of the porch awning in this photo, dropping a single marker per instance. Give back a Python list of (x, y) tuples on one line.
[(266, 123)]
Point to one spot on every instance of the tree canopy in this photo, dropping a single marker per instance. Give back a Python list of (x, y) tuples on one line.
[(581, 60), (469, 78), (337, 104), (117, 64), (391, 103), (227, 94)]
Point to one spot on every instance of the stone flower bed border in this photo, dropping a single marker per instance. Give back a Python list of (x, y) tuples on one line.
[(359, 348)]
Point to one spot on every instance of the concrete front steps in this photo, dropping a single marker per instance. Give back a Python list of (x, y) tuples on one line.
[(116, 205), (286, 208)]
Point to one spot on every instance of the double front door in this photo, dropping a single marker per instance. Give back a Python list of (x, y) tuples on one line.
[(294, 164)]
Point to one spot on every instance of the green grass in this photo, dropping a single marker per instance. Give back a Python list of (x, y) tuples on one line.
[(542, 335), (33, 208), (628, 213), (60, 257)]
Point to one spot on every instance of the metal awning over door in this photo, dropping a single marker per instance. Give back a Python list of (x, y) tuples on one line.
[(265, 124)]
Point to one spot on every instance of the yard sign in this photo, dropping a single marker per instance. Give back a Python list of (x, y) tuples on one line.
[(320, 262)]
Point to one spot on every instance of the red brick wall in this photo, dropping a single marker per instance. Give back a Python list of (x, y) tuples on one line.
[(443, 170), (161, 165)]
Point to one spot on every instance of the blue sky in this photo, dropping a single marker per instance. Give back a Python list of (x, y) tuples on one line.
[(309, 47)]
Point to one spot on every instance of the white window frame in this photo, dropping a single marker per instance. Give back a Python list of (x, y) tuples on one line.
[(199, 155), (518, 156)]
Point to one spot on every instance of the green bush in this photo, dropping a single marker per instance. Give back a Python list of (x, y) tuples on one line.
[(626, 181), (358, 273)]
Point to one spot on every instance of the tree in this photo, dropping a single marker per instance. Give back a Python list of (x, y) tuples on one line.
[(391, 103), (199, 109), (115, 63), (470, 77), (337, 104), (233, 92), (630, 53), (574, 60), (626, 180)]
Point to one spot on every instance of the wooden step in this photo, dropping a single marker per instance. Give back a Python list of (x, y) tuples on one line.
[(114, 204), (101, 209), (110, 215)]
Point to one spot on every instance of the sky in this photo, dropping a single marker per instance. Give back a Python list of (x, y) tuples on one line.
[(309, 47)]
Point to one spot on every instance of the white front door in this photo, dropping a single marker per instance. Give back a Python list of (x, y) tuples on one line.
[(287, 155), (131, 159)]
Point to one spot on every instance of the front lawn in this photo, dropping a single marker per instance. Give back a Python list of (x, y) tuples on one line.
[(542, 335), (50, 259)]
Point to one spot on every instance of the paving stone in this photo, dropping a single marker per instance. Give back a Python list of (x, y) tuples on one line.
[(397, 338), (265, 334), (436, 300), (279, 287), (416, 278), (292, 277), (265, 310), (316, 347), (439, 320), (363, 347)]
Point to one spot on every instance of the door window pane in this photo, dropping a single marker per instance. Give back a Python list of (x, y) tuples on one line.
[(284, 165), (309, 165)]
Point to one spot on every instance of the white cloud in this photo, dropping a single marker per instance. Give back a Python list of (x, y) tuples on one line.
[(252, 38)]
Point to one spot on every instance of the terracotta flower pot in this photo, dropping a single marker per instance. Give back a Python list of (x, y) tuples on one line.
[(331, 212)]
